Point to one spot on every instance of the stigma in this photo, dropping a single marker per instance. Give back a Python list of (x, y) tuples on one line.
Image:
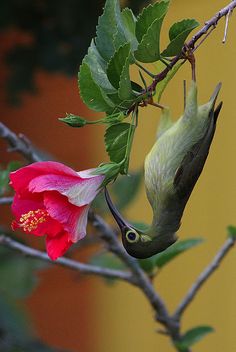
[(31, 220)]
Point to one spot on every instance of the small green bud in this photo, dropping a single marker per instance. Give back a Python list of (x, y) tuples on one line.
[(73, 120), (231, 231)]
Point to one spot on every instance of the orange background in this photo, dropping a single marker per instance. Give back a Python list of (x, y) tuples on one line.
[(85, 314)]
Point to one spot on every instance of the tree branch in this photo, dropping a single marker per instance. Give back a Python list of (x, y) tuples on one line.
[(203, 277), (69, 263), (210, 25), (19, 143)]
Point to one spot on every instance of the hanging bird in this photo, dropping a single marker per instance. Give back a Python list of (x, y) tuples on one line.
[(172, 168)]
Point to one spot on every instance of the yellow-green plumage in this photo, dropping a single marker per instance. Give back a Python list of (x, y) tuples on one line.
[(172, 169)]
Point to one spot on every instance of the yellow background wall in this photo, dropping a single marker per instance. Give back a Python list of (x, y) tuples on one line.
[(124, 317)]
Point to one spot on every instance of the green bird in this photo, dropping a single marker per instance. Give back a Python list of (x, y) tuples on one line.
[(172, 169)]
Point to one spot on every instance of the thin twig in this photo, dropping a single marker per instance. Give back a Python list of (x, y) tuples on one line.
[(69, 263), (19, 144), (204, 276), (209, 25), (226, 26), (6, 200)]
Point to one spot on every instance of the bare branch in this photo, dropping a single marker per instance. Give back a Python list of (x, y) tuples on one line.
[(19, 144), (204, 276), (69, 263)]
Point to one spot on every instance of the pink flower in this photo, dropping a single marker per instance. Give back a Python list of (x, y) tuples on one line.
[(53, 200)]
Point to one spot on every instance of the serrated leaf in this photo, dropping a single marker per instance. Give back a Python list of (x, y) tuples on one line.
[(4, 176), (125, 189), (193, 336), (116, 139), (176, 249), (116, 64), (231, 231), (178, 34), (150, 14), (98, 69), (92, 95), (107, 28), (129, 23), (149, 48)]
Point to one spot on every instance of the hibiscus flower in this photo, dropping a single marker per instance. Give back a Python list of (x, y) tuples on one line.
[(53, 200)]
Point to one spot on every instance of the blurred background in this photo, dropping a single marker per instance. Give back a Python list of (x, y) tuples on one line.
[(42, 45)]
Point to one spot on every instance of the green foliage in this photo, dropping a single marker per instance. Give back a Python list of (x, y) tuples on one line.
[(18, 274), (231, 231), (148, 30), (116, 140), (193, 336), (178, 33), (107, 260), (104, 78), (161, 259), (4, 176)]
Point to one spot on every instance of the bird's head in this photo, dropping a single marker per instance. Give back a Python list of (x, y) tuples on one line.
[(139, 244)]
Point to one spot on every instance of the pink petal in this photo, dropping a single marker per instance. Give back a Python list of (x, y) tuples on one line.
[(78, 191), (21, 178), (57, 246), (72, 218)]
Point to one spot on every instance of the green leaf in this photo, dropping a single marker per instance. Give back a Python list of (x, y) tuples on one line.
[(107, 28), (125, 91), (18, 274), (161, 86), (150, 14), (92, 95), (108, 260), (149, 48), (176, 249), (192, 336), (110, 170), (126, 188), (148, 265), (4, 176), (73, 120), (231, 231), (116, 139), (98, 68), (116, 65), (178, 33), (129, 26)]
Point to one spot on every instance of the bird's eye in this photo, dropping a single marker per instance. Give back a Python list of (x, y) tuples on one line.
[(132, 236)]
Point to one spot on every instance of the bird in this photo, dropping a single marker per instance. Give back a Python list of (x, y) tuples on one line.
[(171, 170)]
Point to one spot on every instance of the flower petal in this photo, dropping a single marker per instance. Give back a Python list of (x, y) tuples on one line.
[(78, 191), (57, 246), (72, 218), (21, 178)]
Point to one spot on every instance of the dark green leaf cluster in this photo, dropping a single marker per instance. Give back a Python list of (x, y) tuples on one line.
[(104, 79)]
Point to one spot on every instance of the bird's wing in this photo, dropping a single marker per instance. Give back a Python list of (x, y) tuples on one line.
[(192, 164)]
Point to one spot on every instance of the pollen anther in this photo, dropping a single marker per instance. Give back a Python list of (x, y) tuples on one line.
[(30, 221)]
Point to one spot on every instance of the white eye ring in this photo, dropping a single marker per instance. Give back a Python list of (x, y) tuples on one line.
[(132, 236)]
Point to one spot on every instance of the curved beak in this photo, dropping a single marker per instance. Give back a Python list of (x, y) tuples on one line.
[(116, 214)]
